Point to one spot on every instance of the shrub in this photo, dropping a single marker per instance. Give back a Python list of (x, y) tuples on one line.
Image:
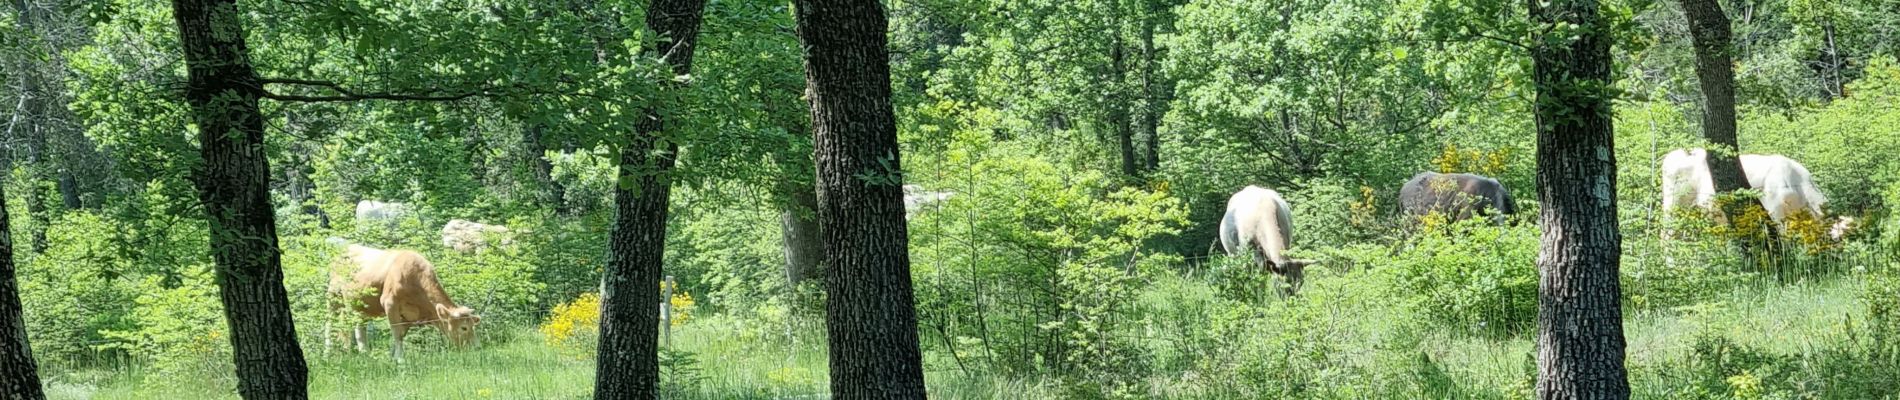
[(1883, 313), (179, 329), (1473, 276), (574, 327)]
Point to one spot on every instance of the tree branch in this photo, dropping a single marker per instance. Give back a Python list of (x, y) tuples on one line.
[(350, 95)]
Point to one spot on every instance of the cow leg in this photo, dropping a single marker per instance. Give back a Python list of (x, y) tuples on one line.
[(360, 337), (396, 332)]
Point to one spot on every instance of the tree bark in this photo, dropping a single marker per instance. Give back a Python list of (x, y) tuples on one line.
[(1119, 117), (799, 224), (1153, 102), (870, 314), (1580, 323), (628, 359), (551, 191), (233, 184), (19, 376), (39, 104), (1709, 30)]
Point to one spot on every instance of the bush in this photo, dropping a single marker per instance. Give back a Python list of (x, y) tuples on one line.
[(574, 326), (1470, 275), (1035, 268), (179, 329)]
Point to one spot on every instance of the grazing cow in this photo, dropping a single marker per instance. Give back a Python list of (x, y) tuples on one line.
[(1786, 186), (468, 236), (1258, 219), (1457, 196), (399, 285)]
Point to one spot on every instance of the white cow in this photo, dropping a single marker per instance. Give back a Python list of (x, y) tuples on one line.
[(1786, 186), (1258, 219), (469, 236)]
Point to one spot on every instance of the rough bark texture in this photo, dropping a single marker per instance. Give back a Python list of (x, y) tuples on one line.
[(19, 376), (628, 359), (1714, 68), (799, 223), (233, 183), (870, 314), (1580, 345)]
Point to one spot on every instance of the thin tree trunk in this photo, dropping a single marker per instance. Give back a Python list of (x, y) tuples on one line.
[(1119, 117), (1836, 85), (870, 312), (628, 359), (799, 223), (1580, 321), (233, 184), (551, 191), (19, 375), (1153, 102), (38, 105)]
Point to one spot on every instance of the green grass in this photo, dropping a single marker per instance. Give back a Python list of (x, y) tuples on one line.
[(738, 359)]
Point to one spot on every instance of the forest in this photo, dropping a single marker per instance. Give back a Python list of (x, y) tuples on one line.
[(956, 199)]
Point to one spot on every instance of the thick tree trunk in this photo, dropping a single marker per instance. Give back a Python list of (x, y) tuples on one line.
[(233, 184), (1580, 321), (19, 375), (870, 313), (1709, 30), (628, 359), (799, 223)]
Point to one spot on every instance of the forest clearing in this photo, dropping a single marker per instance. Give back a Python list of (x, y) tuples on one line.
[(956, 199)]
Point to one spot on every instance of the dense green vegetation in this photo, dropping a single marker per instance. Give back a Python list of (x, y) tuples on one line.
[(1090, 147)]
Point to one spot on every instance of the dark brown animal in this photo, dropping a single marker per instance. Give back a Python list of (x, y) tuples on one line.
[(1457, 196)]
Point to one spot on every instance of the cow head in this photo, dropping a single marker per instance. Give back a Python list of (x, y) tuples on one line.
[(1294, 271), (458, 324)]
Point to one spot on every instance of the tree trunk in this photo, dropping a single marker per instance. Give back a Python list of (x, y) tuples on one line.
[(233, 184), (1836, 84), (1119, 117), (870, 313), (38, 103), (1153, 103), (19, 376), (1709, 30), (799, 223), (551, 191), (1580, 321), (628, 359)]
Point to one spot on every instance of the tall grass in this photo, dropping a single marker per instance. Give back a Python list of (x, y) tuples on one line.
[(1789, 338)]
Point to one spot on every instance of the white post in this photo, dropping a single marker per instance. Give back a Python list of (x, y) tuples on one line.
[(666, 311)]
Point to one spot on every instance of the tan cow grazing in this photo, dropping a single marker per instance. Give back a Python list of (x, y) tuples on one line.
[(1786, 186), (399, 285), (468, 236), (1258, 219)]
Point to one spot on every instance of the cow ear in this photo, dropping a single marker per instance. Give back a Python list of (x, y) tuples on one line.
[(443, 311)]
